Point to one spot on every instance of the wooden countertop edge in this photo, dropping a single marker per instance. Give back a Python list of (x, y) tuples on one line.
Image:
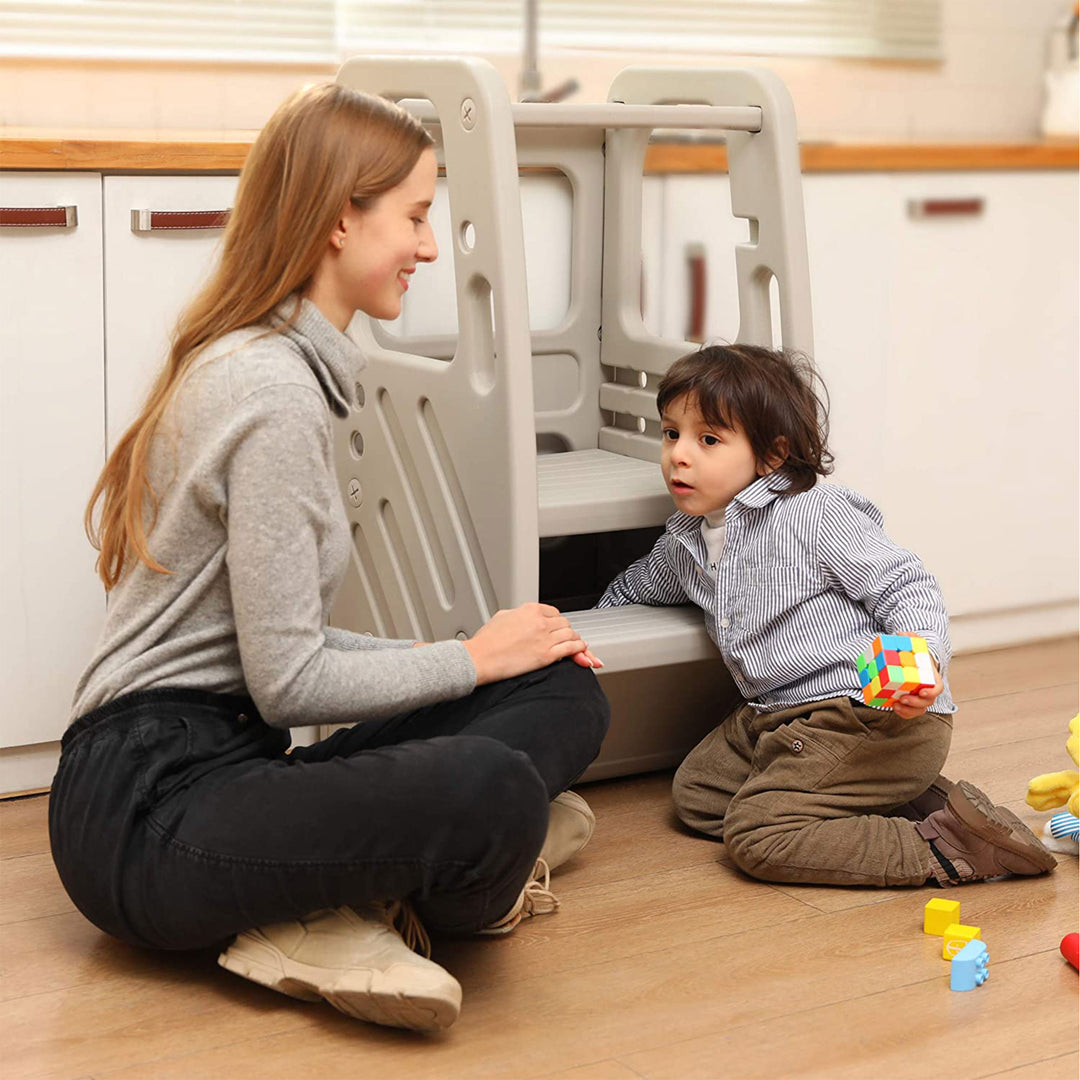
[(125, 154)]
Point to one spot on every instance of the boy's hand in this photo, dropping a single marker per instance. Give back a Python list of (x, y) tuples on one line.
[(908, 706)]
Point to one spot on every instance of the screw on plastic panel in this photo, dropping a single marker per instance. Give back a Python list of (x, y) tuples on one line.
[(468, 114), (356, 492)]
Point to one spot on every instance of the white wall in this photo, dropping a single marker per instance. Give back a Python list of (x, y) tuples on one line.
[(989, 86)]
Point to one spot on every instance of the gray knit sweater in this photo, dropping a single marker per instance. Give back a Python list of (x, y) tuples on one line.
[(252, 528)]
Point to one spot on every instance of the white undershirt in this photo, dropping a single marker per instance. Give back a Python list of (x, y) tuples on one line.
[(712, 532)]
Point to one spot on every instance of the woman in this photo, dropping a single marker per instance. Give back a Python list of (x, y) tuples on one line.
[(178, 817)]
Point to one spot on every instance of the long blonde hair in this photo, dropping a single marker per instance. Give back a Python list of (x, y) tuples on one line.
[(325, 147)]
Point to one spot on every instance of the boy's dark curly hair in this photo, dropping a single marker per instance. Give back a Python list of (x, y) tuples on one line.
[(771, 395)]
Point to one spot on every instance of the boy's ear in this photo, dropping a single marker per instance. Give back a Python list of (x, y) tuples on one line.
[(777, 456)]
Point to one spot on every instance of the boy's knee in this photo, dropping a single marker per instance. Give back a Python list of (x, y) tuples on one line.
[(698, 806), (757, 849)]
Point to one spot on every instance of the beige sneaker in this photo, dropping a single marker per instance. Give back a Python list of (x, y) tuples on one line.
[(570, 828), (535, 899), (357, 961)]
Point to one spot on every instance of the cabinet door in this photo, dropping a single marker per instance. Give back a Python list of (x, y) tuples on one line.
[(697, 223), (849, 245), (52, 439), (980, 398), (149, 277)]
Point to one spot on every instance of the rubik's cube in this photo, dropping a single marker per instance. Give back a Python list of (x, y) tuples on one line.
[(894, 665)]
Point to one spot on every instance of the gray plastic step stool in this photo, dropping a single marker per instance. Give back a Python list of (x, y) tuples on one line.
[(446, 494)]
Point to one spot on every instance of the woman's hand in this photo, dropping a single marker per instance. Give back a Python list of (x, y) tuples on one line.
[(524, 639)]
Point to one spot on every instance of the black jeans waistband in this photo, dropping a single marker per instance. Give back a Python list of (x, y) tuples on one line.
[(222, 704)]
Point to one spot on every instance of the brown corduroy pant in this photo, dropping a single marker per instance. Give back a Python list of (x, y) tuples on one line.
[(804, 794)]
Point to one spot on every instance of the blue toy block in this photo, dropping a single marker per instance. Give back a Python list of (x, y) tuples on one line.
[(970, 966)]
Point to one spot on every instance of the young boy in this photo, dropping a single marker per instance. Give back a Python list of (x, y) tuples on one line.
[(804, 782)]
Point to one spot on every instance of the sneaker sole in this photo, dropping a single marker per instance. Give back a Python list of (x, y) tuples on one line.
[(998, 825), (363, 995)]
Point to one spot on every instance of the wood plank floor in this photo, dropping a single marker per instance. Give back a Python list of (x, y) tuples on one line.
[(664, 962)]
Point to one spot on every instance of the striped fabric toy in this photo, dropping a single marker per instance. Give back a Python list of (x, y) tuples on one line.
[(895, 664), (1065, 826)]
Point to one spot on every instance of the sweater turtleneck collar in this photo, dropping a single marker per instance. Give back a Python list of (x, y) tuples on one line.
[(334, 357)]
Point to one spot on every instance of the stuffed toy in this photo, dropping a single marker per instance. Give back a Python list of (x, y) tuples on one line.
[(1060, 789)]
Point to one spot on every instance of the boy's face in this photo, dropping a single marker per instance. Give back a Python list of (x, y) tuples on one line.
[(704, 466)]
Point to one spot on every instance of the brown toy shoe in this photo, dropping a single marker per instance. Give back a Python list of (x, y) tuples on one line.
[(973, 840), (933, 798)]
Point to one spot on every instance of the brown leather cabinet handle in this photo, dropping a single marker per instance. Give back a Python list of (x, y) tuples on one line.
[(39, 217), (945, 207), (143, 221)]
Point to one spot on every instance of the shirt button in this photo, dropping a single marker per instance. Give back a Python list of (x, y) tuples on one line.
[(797, 746), (242, 718), (725, 623)]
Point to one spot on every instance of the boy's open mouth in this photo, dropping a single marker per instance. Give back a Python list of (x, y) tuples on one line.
[(680, 485)]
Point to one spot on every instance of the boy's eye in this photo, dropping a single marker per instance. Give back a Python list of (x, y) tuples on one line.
[(670, 434), (710, 440)]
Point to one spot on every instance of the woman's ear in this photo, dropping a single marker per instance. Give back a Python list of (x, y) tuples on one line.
[(777, 456), (339, 234)]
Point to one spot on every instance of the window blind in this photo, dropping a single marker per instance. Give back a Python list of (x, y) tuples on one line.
[(895, 29), (324, 31), (300, 31)]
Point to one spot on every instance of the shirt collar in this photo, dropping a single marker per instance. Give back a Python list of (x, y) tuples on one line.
[(764, 490), (760, 493)]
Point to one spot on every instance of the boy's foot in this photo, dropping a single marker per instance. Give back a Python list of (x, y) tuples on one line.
[(569, 829), (971, 839), (357, 961), (535, 899), (933, 798)]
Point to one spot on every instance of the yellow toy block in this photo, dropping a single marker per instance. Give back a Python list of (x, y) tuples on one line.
[(956, 937), (939, 915)]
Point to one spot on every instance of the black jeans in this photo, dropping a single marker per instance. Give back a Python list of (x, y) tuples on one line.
[(178, 818)]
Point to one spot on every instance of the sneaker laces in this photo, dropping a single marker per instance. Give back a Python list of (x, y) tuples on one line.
[(401, 916), (537, 897)]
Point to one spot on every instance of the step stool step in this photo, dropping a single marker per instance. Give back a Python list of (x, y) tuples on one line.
[(637, 636), (588, 491)]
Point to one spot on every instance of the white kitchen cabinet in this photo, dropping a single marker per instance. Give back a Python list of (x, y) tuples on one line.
[(52, 442), (149, 277), (981, 388)]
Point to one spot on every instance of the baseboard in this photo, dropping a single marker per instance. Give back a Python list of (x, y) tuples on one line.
[(985, 630), (27, 768)]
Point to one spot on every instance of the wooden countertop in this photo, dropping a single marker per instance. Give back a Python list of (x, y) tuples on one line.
[(200, 151)]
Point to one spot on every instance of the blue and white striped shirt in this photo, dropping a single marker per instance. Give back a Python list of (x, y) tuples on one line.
[(805, 584)]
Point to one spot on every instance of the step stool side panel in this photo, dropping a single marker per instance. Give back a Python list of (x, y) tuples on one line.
[(446, 529)]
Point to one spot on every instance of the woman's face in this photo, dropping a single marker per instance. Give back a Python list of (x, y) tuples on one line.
[(376, 250)]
